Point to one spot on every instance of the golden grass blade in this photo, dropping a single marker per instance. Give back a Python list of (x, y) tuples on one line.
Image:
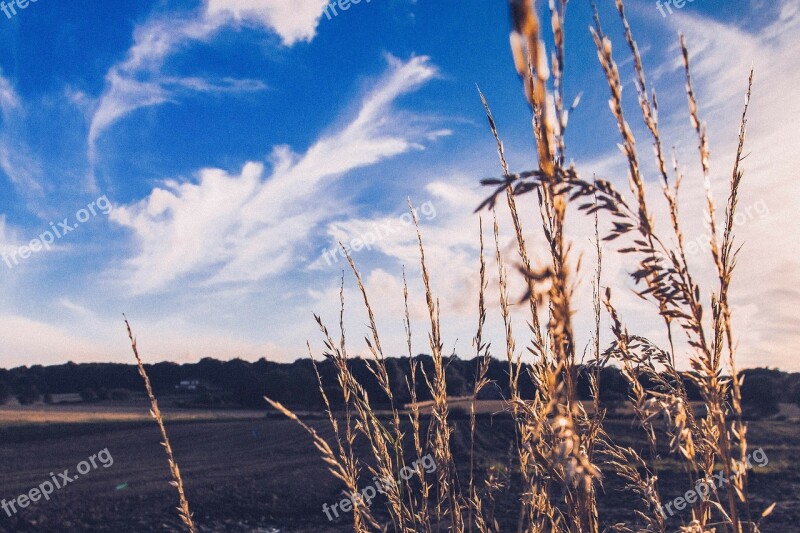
[(183, 511)]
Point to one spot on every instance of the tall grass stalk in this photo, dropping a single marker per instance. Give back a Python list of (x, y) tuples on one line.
[(177, 481)]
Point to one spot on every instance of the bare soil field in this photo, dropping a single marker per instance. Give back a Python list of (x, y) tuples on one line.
[(247, 472)]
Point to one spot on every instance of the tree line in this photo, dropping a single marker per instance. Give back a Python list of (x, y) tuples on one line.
[(239, 383)]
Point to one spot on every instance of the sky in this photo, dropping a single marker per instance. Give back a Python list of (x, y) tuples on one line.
[(193, 164)]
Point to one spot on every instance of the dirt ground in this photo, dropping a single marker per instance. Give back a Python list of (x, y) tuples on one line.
[(263, 475)]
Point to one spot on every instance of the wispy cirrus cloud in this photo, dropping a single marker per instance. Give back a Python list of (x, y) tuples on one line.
[(769, 327), (138, 81), (16, 159), (227, 228), (7, 241), (8, 97)]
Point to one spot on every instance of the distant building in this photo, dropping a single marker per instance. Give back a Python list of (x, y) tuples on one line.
[(188, 385), (65, 398)]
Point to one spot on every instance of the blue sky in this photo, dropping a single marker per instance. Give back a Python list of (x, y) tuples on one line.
[(238, 140)]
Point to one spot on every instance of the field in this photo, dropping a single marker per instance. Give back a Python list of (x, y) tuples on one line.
[(246, 472)]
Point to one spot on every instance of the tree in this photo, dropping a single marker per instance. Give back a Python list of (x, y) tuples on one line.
[(758, 396), (89, 395), (794, 396), (28, 394), (5, 392)]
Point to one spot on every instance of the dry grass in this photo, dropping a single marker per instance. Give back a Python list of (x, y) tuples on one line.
[(560, 447), (177, 481), (561, 451)]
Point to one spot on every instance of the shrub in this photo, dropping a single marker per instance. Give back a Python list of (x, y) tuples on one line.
[(120, 395), (89, 396)]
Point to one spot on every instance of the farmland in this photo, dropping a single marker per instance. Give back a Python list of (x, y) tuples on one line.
[(247, 472)]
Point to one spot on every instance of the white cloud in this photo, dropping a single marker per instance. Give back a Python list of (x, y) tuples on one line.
[(232, 228), (25, 340), (22, 168), (451, 251), (7, 242), (176, 341), (768, 330), (8, 97), (77, 309), (122, 95), (293, 20), (28, 341), (138, 82), (16, 160)]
